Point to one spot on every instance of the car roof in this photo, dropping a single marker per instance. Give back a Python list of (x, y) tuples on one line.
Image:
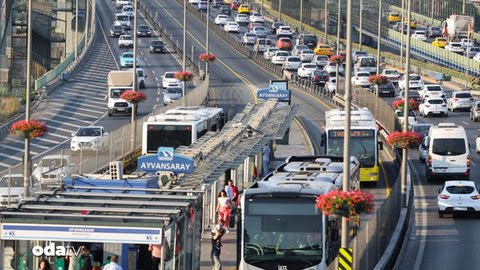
[(457, 182)]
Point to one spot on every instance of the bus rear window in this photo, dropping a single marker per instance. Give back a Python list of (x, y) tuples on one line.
[(168, 135)]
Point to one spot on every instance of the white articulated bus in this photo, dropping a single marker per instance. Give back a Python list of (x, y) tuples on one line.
[(180, 126)]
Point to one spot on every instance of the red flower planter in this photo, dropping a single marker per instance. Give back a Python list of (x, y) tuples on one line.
[(28, 129), (184, 76), (405, 139), (207, 57), (378, 79), (133, 96), (345, 203), (337, 58), (399, 104)]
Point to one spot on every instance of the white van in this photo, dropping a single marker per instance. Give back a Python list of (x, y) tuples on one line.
[(262, 44), (366, 63), (448, 152), (123, 20)]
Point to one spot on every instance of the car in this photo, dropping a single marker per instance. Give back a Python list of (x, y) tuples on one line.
[(270, 52), (225, 9), (420, 35), (202, 6), (292, 63), (475, 111), (432, 90), (241, 19), (252, 25), (470, 52), (308, 39), (393, 17), (421, 128), (412, 94), (412, 118), (244, 8), (141, 76), (217, 3), (387, 89), (232, 27), (434, 32), (129, 10), (458, 197), (144, 31), (116, 30), (257, 17), (331, 85), (262, 44), (234, 5), (331, 68), (455, 47), (172, 94), (392, 75), (279, 57), (52, 168), (249, 39), (415, 82), (157, 46), (357, 54), (400, 27), (319, 77), (89, 138), (306, 70), (323, 49), (169, 80), (125, 41), (423, 148), (433, 106), (275, 26), (260, 31), (466, 42), (298, 48), (12, 188), (221, 19), (440, 42), (413, 23), (460, 100), (361, 79), (126, 60), (476, 58), (307, 55), (284, 43), (284, 31), (320, 60), (195, 2)]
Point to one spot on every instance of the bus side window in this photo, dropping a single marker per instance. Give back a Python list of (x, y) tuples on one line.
[(322, 140), (213, 127), (380, 145)]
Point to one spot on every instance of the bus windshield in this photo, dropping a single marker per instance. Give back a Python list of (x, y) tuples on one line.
[(274, 235), (168, 135), (362, 145)]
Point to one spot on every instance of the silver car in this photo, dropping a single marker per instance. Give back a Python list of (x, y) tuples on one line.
[(298, 48), (249, 38), (460, 100), (171, 95), (307, 55), (475, 111), (270, 52), (260, 31)]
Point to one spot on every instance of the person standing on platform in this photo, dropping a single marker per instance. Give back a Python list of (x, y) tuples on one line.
[(217, 233), (113, 265), (224, 206), (156, 255), (266, 159)]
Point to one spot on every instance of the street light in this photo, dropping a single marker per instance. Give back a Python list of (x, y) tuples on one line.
[(76, 27), (402, 18), (280, 10), (326, 20), (133, 125), (301, 15), (338, 25), (360, 25), (26, 158), (379, 40), (206, 38), (184, 57)]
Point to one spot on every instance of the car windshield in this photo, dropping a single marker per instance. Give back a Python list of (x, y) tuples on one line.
[(320, 73), (128, 9), (53, 163), (423, 129), (116, 93), (400, 113), (324, 47), (88, 132), (363, 74), (414, 78), (463, 95), (169, 75), (294, 59), (284, 40), (13, 181), (363, 145), (358, 53), (449, 146), (386, 86), (435, 28), (174, 90), (222, 16), (143, 27), (117, 27), (460, 189), (368, 62), (259, 29), (282, 54), (310, 66), (310, 38), (435, 101), (456, 45), (307, 52), (434, 88), (475, 49), (420, 33), (442, 39), (390, 72), (127, 55), (157, 43), (250, 35), (122, 18)]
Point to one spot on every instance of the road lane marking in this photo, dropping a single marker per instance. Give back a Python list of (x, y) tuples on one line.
[(465, 123), (5, 165), (54, 102), (58, 135), (17, 149), (11, 157), (68, 117), (48, 140), (22, 142), (60, 122), (75, 113)]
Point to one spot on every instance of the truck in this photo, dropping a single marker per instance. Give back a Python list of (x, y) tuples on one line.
[(457, 27), (119, 81)]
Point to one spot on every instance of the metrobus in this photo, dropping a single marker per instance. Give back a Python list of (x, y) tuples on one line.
[(181, 126), (364, 142), (280, 226)]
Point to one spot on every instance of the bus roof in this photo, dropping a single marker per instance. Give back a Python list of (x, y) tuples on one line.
[(185, 114), (359, 118), (288, 189), (317, 164)]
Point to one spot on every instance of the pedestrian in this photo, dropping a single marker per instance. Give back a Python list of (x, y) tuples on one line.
[(44, 265), (156, 250), (224, 205), (71, 258), (217, 233), (232, 191), (266, 160), (86, 258), (113, 265)]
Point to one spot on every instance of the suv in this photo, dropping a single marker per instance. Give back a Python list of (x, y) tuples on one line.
[(92, 138), (460, 100), (262, 44), (308, 39), (51, 169)]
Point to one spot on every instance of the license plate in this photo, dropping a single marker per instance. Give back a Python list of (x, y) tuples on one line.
[(441, 170), (157, 50), (385, 92), (121, 110), (460, 208)]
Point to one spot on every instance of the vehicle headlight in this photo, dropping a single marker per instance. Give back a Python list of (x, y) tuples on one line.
[(168, 99)]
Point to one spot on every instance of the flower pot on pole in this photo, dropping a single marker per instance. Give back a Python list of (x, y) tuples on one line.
[(400, 104), (377, 80), (405, 139), (30, 129)]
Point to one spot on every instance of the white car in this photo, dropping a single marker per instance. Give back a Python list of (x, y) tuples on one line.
[(433, 106), (307, 55), (11, 188), (51, 169), (458, 197), (221, 19), (241, 18), (320, 60), (284, 30), (331, 84), (89, 138), (466, 42), (270, 52), (361, 79), (249, 38), (125, 41), (432, 90), (169, 80), (292, 63), (128, 9), (306, 69), (299, 48), (392, 75), (231, 27), (257, 17), (476, 58), (455, 47), (415, 82), (412, 118), (194, 1), (460, 100), (331, 68), (279, 57), (420, 35)]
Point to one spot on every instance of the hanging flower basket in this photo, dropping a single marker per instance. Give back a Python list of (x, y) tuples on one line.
[(207, 57), (345, 203), (378, 79), (338, 59), (184, 76), (28, 129), (133, 96), (400, 103), (405, 139)]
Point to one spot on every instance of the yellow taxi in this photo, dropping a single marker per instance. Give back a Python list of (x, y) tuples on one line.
[(413, 24), (243, 9), (323, 49), (393, 18), (440, 42)]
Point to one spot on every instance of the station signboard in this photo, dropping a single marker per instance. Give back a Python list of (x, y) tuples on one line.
[(165, 161)]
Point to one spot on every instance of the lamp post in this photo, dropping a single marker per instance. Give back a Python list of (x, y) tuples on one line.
[(360, 25), (348, 101), (463, 7), (133, 125), (402, 18), (86, 22), (433, 10), (184, 56), (338, 26), (206, 38), (26, 158), (326, 20), (379, 40), (280, 10), (301, 15), (76, 28)]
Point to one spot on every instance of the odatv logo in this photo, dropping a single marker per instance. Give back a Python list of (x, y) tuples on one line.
[(54, 250)]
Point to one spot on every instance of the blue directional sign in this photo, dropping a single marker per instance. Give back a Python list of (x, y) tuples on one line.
[(276, 90), (166, 160)]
